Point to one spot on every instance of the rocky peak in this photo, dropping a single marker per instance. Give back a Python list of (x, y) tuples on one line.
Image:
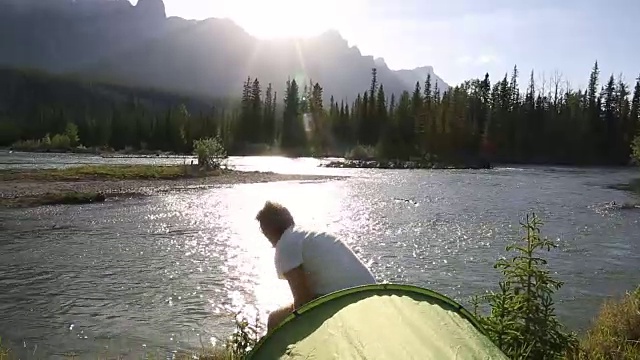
[(152, 8)]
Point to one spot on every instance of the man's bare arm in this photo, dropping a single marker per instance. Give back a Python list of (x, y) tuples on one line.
[(299, 286)]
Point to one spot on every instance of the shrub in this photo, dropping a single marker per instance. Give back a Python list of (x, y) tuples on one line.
[(210, 152), (45, 142), (615, 333), (4, 353), (361, 152), (71, 131), (244, 338), (635, 147), (57, 142), (522, 321), (237, 347), (60, 142)]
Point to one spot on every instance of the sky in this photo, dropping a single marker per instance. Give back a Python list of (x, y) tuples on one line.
[(461, 39)]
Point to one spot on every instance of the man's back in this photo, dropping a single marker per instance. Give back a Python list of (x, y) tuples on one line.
[(328, 262)]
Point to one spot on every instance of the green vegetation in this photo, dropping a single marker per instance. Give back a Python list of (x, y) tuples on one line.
[(4, 352), (63, 198), (615, 333), (361, 152), (210, 153), (471, 122), (60, 142), (636, 149), (109, 172), (522, 317), (522, 321)]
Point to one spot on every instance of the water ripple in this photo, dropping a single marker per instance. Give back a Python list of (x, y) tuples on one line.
[(169, 271)]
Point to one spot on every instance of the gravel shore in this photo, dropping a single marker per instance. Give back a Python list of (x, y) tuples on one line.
[(11, 192)]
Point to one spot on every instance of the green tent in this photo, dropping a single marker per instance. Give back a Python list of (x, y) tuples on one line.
[(382, 321)]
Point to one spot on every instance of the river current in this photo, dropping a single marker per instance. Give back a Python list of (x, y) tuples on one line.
[(165, 272)]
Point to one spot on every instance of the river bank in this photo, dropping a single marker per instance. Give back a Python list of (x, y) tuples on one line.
[(96, 183), (259, 150)]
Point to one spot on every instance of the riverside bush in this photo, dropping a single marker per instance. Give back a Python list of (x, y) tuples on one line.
[(210, 152), (361, 152), (635, 149), (65, 141), (522, 320)]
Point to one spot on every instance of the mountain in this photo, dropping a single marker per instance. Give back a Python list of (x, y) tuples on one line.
[(408, 77), (140, 46)]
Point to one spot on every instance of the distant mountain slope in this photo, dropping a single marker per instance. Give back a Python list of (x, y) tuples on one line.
[(24, 92), (140, 46)]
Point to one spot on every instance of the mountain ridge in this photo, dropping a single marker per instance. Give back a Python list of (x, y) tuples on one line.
[(139, 45)]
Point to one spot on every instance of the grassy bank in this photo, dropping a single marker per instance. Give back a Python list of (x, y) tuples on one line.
[(95, 183), (56, 198), (615, 332), (108, 172), (46, 193)]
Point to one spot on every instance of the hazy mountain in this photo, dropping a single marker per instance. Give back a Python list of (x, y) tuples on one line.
[(408, 77), (139, 45)]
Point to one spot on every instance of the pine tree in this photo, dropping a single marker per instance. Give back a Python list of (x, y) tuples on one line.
[(634, 115), (293, 132), (268, 118), (256, 121)]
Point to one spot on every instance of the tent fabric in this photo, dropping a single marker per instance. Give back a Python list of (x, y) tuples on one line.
[(382, 321)]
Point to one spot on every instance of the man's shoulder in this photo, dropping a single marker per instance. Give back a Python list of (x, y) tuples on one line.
[(303, 232), (292, 235)]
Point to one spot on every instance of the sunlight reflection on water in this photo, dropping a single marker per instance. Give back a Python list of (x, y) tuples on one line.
[(166, 271), (229, 233)]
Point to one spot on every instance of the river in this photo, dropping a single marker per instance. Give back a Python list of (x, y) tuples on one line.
[(164, 272)]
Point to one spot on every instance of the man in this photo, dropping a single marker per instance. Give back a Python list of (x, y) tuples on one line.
[(314, 263)]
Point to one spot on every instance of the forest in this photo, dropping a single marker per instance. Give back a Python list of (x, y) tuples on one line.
[(543, 123)]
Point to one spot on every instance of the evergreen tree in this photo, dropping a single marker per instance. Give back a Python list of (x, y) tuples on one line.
[(256, 121), (595, 125), (293, 132)]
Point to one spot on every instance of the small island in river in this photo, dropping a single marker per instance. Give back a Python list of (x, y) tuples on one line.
[(96, 183), (399, 164)]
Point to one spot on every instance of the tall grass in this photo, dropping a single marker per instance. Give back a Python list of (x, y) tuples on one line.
[(4, 352), (615, 332)]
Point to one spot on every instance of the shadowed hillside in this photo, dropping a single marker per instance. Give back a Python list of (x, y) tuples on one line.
[(138, 45)]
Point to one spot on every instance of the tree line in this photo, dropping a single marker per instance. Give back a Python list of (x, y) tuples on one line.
[(546, 123)]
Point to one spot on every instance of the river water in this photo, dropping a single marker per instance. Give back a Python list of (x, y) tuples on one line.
[(165, 272)]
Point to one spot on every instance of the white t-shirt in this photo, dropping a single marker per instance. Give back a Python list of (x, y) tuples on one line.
[(329, 263)]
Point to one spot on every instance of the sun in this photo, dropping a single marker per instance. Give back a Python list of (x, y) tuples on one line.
[(268, 19), (286, 18)]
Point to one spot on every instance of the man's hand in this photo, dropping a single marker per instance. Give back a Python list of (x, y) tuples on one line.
[(299, 286)]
